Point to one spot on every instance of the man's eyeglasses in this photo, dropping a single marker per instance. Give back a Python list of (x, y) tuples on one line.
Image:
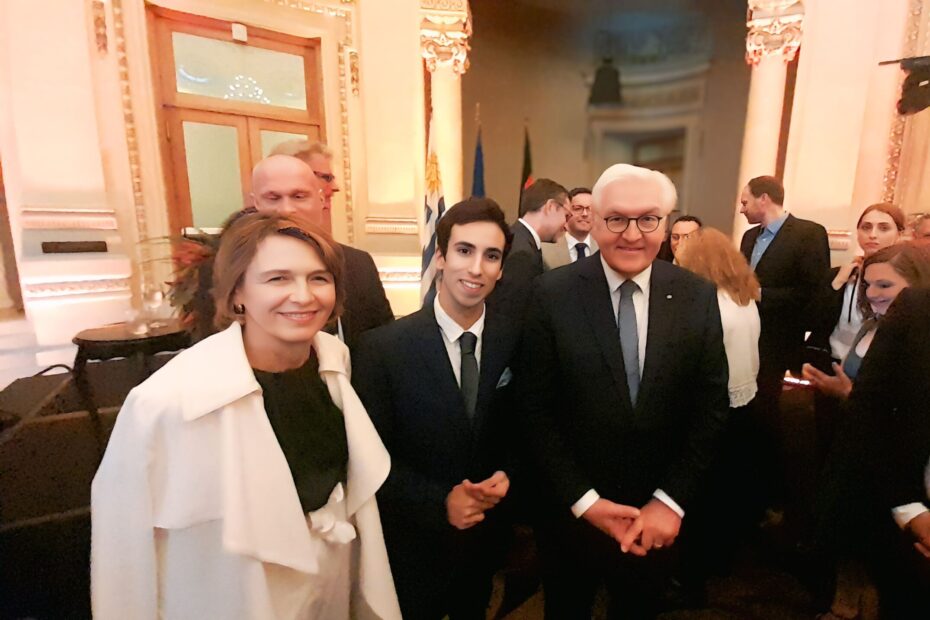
[(579, 210), (645, 223), (326, 177)]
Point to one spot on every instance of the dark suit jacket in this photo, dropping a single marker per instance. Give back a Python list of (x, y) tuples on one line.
[(891, 394), (366, 305), (521, 267), (792, 272), (403, 376), (575, 404)]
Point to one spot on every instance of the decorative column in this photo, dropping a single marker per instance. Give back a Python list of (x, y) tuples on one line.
[(771, 43), (444, 32)]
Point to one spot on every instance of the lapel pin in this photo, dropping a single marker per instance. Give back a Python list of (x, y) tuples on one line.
[(668, 296)]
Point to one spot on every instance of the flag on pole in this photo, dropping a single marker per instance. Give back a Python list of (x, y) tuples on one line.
[(477, 182), (526, 178), (435, 206)]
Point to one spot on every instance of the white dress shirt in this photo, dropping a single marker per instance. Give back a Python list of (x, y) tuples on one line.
[(571, 242), (532, 232), (847, 328), (904, 514), (641, 305), (451, 332), (741, 328)]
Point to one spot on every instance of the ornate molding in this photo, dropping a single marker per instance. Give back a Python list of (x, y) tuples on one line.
[(899, 124), (99, 12), (391, 226), (146, 273), (775, 28), (839, 240), (77, 288), (444, 32), (396, 275), (43, 218)]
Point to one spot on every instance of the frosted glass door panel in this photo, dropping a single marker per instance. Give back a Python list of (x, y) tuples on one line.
[(237, 72), (271, 139), (212, 153)]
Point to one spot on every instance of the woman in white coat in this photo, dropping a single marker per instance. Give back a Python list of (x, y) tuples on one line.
[(240, 479)]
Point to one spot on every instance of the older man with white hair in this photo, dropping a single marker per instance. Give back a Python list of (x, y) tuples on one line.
[(623, 393)]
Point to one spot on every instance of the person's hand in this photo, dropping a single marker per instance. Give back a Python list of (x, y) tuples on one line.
[(610, 518), (462, 509), (839, 385), (491, 490), (919, 527), (845, 272), (656, 527)]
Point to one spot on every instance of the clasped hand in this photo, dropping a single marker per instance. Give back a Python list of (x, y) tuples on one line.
[(638, 531), (468, 501)]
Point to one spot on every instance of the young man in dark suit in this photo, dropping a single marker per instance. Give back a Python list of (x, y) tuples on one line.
[(544, 208), (435, 384), (622, 388)]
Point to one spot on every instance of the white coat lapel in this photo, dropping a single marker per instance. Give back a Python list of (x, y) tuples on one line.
[(369, 462), (262, 516)]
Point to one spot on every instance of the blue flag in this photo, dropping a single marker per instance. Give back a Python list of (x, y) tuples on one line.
[(477, 182)]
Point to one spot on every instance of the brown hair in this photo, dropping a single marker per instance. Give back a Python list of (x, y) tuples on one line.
[(239, 244), (712, 255), (768, 185), (910, 261), (539, 193), (892, 211)]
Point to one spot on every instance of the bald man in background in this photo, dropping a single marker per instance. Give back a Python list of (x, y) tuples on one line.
[(286, 185)]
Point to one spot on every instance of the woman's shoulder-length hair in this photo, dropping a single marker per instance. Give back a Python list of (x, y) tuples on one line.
[(711, 254)]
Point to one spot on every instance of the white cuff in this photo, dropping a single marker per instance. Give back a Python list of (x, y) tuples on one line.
[(587, 500), (668, 501), (904, 514)]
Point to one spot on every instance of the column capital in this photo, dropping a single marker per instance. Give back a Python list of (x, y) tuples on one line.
[(775, 28), (445, 28)]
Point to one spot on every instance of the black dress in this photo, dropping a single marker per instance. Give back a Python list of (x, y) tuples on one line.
[(310, 430)]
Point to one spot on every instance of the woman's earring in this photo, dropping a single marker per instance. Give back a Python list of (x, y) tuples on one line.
[(238, 308)]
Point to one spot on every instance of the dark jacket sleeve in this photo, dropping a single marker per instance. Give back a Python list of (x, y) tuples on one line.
[(537, 382), (512, 293), (366, 305), (827, 306), (712, 406), (406, 490)]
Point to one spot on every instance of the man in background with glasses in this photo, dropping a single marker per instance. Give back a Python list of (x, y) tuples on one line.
[(683, 228), (577, 241), (320, 159), (622, 386)]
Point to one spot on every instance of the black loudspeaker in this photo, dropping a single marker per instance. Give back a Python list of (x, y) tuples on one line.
[(49, 452)]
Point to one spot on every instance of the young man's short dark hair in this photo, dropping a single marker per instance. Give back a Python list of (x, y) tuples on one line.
[(768, 185), (467, 212), (578, 190), (690, 218), (539, 193)]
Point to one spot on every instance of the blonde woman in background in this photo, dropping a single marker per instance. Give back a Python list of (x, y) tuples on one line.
[(711, 255)]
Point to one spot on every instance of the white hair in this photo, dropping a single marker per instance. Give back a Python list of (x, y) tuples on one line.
[(668, 196)]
